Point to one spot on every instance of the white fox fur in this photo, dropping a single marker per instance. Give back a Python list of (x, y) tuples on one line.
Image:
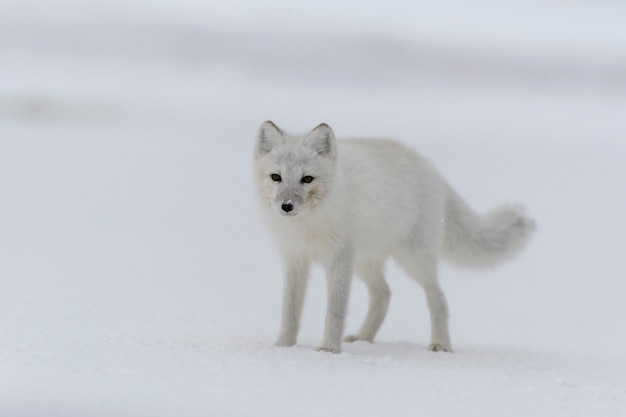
[(351, 204)]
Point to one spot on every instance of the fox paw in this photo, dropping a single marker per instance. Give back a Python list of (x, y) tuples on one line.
[(439, 347), (328, 349), (355, 338), (285, 342)]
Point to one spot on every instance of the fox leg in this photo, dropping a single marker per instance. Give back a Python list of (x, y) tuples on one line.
[(295, 285), (379, 294), (422, 267), (338, 277)]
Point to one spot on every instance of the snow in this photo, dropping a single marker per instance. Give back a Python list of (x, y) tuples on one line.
[(135, 276)]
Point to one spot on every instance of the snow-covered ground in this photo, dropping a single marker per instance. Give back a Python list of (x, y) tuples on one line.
[(135, 278)]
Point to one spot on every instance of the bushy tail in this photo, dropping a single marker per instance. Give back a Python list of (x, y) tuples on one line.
[(483, 240)]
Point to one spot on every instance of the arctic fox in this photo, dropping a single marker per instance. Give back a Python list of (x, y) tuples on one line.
[(349, 205)]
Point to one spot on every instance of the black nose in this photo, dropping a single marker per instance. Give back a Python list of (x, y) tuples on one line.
[(287, 207)]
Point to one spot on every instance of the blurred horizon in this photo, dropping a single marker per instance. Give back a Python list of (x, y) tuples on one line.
[(566, 42), (142, 62)]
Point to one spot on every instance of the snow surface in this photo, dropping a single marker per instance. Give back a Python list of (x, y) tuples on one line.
[(135, 278)]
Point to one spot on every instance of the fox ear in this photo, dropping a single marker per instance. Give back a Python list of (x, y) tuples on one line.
[(269, 136), (322, 140)]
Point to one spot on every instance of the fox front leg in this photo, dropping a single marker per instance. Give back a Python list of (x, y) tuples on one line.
[(295, 285), (338, 277)]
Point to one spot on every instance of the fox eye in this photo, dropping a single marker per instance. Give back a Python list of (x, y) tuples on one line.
[(276, 177), (306, 179)]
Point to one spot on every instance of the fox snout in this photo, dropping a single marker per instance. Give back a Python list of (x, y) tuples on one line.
[(288, 201), (287, 206)]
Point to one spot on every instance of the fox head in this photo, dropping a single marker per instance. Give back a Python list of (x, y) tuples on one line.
[(294, 173)]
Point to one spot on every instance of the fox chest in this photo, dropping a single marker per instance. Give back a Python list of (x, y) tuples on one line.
[(315, 241)]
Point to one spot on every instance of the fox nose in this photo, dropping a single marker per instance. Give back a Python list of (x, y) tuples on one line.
[(287, 207)]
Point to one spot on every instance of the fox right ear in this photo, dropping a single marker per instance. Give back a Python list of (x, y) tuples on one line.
[(322, 140), (269, 136)]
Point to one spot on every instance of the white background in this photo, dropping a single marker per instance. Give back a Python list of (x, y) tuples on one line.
[(136, 279)]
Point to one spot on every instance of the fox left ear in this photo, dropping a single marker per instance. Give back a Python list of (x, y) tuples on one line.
[(269, 136), (322, 140)]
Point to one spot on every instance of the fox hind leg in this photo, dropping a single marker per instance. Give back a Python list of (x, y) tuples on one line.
[(371, 273), (422, 267)]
